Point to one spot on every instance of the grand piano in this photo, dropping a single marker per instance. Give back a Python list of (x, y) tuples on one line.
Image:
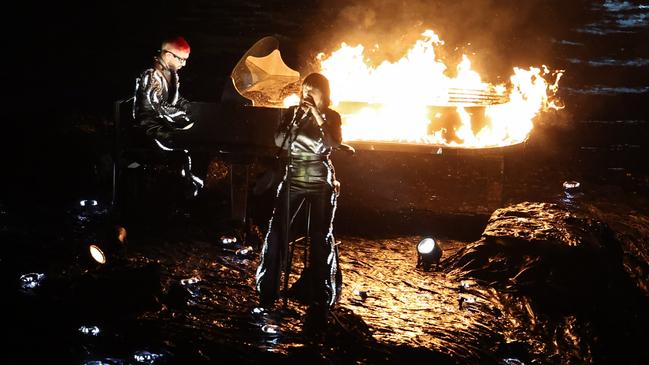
[(239, 130), (252, 104)]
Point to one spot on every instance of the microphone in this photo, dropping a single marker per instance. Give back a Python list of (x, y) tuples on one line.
[(300, 112)]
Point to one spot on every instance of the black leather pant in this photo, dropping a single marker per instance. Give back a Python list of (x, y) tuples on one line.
[(325, 279)]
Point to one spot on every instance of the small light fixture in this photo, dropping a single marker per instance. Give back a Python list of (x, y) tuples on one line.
[(146, 357), (429, 253), (270, 329), (90, 330), (361, 293), (97, 253), (228, 240), (465, 298), (110, 248), (571, 185), (88, 203), (258, 310), (244, 251), (31, 281)]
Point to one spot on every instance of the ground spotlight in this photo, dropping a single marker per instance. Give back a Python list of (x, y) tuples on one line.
[(571, 185), (244, 251), (107, 248), (88, 203), (184, 292), (31, 281), (90, 330), (429, 253), (97, 253), (361, 293), (228, 240)]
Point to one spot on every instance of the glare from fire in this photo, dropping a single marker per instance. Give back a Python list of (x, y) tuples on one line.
[(414, 100)]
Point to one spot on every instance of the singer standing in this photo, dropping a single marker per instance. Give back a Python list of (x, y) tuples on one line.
[(310, 130)]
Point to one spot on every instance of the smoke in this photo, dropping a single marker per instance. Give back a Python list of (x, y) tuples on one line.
[(496, 34)]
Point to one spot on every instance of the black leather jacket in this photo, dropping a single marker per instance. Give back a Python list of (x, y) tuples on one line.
[(158, 108), (310, 146)]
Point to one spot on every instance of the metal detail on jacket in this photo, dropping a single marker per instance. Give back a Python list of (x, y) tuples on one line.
[(158, 104)]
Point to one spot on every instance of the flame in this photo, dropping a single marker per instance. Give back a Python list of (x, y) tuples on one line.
[(413, 100), (293, 99)]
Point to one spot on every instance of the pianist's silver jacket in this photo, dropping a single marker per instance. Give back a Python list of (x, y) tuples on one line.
[(158, 108)]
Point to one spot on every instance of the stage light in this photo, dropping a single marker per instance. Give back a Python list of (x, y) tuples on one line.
[(97, 254), (571, 191), (244, 251), (258, 310), (227, 240), (466, 285), (184, 293), (31, 281), (105, 249), (270, 329), (90, 330), (428, 253), (88, 203), (147, 357), (465, 298), (361, 293), (571, 185)]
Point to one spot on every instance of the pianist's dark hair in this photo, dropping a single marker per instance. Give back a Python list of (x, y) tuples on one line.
[(318, 81)]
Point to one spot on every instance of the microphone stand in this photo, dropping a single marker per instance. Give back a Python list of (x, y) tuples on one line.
[(287, 184)]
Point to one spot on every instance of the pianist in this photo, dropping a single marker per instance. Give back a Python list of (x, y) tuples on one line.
[(310, 131), (159, 110)]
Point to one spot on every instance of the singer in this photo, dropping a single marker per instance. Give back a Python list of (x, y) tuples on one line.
[(310, 131)]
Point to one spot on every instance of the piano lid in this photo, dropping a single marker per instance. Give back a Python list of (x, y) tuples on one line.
[(262, 76)]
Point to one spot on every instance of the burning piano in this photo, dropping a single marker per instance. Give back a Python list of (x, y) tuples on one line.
[(409, 116)]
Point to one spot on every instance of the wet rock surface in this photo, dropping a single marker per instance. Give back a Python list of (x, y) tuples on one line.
[(558, 273)]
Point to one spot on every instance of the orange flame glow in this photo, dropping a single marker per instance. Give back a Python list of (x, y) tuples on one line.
[(413, 100)]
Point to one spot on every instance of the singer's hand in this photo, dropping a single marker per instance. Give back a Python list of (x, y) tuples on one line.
[(310, 104)]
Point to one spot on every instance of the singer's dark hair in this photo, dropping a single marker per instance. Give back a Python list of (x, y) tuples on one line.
[(318, 81)]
